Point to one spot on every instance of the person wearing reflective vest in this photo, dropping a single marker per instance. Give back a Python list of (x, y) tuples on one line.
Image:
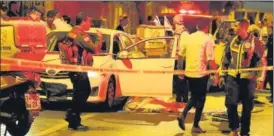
[(78, 49), (243, 51)]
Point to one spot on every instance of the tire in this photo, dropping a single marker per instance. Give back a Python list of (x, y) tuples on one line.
[(110, 96), (20, 127)]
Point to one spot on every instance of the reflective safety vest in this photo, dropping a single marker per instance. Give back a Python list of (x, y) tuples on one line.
[(241, 54)]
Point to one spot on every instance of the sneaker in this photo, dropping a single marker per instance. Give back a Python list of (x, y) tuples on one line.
[(181, 123), (78, 128), (198, 130)]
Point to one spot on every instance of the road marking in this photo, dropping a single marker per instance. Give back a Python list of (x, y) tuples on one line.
[(60, 126)]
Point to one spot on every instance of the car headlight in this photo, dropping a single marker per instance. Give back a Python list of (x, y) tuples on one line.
[(93, 74)]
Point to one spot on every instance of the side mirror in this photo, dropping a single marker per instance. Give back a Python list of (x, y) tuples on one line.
[(123, 54)]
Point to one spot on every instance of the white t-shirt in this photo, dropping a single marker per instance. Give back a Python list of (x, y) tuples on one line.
[(198, 50)]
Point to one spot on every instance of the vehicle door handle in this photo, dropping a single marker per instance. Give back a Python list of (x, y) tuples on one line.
[(167, 66)]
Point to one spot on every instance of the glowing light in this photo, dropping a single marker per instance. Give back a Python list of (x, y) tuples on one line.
[(182, 11), (191, 12)]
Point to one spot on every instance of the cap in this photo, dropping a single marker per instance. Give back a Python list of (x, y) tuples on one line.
[(52, 13)]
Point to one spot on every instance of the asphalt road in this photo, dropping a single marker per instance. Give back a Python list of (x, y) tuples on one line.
[(51, 123)]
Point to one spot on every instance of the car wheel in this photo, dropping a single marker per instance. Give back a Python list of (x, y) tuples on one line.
[(110, 93)]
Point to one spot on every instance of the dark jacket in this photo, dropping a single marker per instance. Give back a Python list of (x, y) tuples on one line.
[(269, 46), (82, 48), (120, 28)]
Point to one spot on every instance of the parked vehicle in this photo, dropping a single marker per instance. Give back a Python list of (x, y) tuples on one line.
[(21, 38)]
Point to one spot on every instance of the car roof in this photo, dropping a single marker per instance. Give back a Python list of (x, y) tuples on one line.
[(94, 29)]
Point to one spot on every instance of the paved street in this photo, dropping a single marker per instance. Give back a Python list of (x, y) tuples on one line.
[(51, 122)]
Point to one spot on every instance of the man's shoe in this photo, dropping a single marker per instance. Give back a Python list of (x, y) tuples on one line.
[(234, 133), (181, 123), (198, 130), (79, 128)]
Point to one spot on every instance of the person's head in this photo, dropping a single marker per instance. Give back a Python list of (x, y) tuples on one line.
[(35, 13), (149, 18), (264, 22), (202, 26), (13, 6), (178, 22), (243, 29), (67, 19), (51, 15), (4, 9), (124, 21), (83, 21), (178, 19)]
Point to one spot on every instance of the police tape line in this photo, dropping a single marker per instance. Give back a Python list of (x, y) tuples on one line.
[(11, 64)]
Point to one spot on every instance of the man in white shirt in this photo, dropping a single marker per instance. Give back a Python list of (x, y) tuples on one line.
[(197, 49)]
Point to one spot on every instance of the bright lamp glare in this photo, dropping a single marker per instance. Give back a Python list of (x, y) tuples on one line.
[(182, 11), (191, 11)]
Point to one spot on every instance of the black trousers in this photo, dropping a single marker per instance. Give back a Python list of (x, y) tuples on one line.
[(81, 91), (198, 89), (239, 90), (269, 76), (181, 89)]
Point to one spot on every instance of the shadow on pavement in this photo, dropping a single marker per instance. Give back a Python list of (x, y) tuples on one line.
[(152, 119), (90, 107)]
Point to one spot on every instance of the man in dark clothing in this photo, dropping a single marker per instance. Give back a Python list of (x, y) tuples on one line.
[(180, 83), (244, 51), (51, 16), (123, 23), (269, 57), (13, 8), (77, 49)]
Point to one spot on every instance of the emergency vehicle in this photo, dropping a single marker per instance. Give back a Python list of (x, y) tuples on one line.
[(21, 38)]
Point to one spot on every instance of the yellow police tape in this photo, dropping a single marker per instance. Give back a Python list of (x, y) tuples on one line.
[(11, 64)]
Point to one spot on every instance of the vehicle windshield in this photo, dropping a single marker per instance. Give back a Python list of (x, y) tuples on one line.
[(55, 37), (152, 48)]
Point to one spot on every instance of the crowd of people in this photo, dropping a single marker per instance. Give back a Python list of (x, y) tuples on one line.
[(246, 46)]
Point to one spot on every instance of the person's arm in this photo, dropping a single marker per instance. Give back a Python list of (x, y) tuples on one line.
[(261, 54), (88, 44), (211, 60)]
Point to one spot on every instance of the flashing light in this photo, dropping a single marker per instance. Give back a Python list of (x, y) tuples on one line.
[(191, 12), (183, 11)]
